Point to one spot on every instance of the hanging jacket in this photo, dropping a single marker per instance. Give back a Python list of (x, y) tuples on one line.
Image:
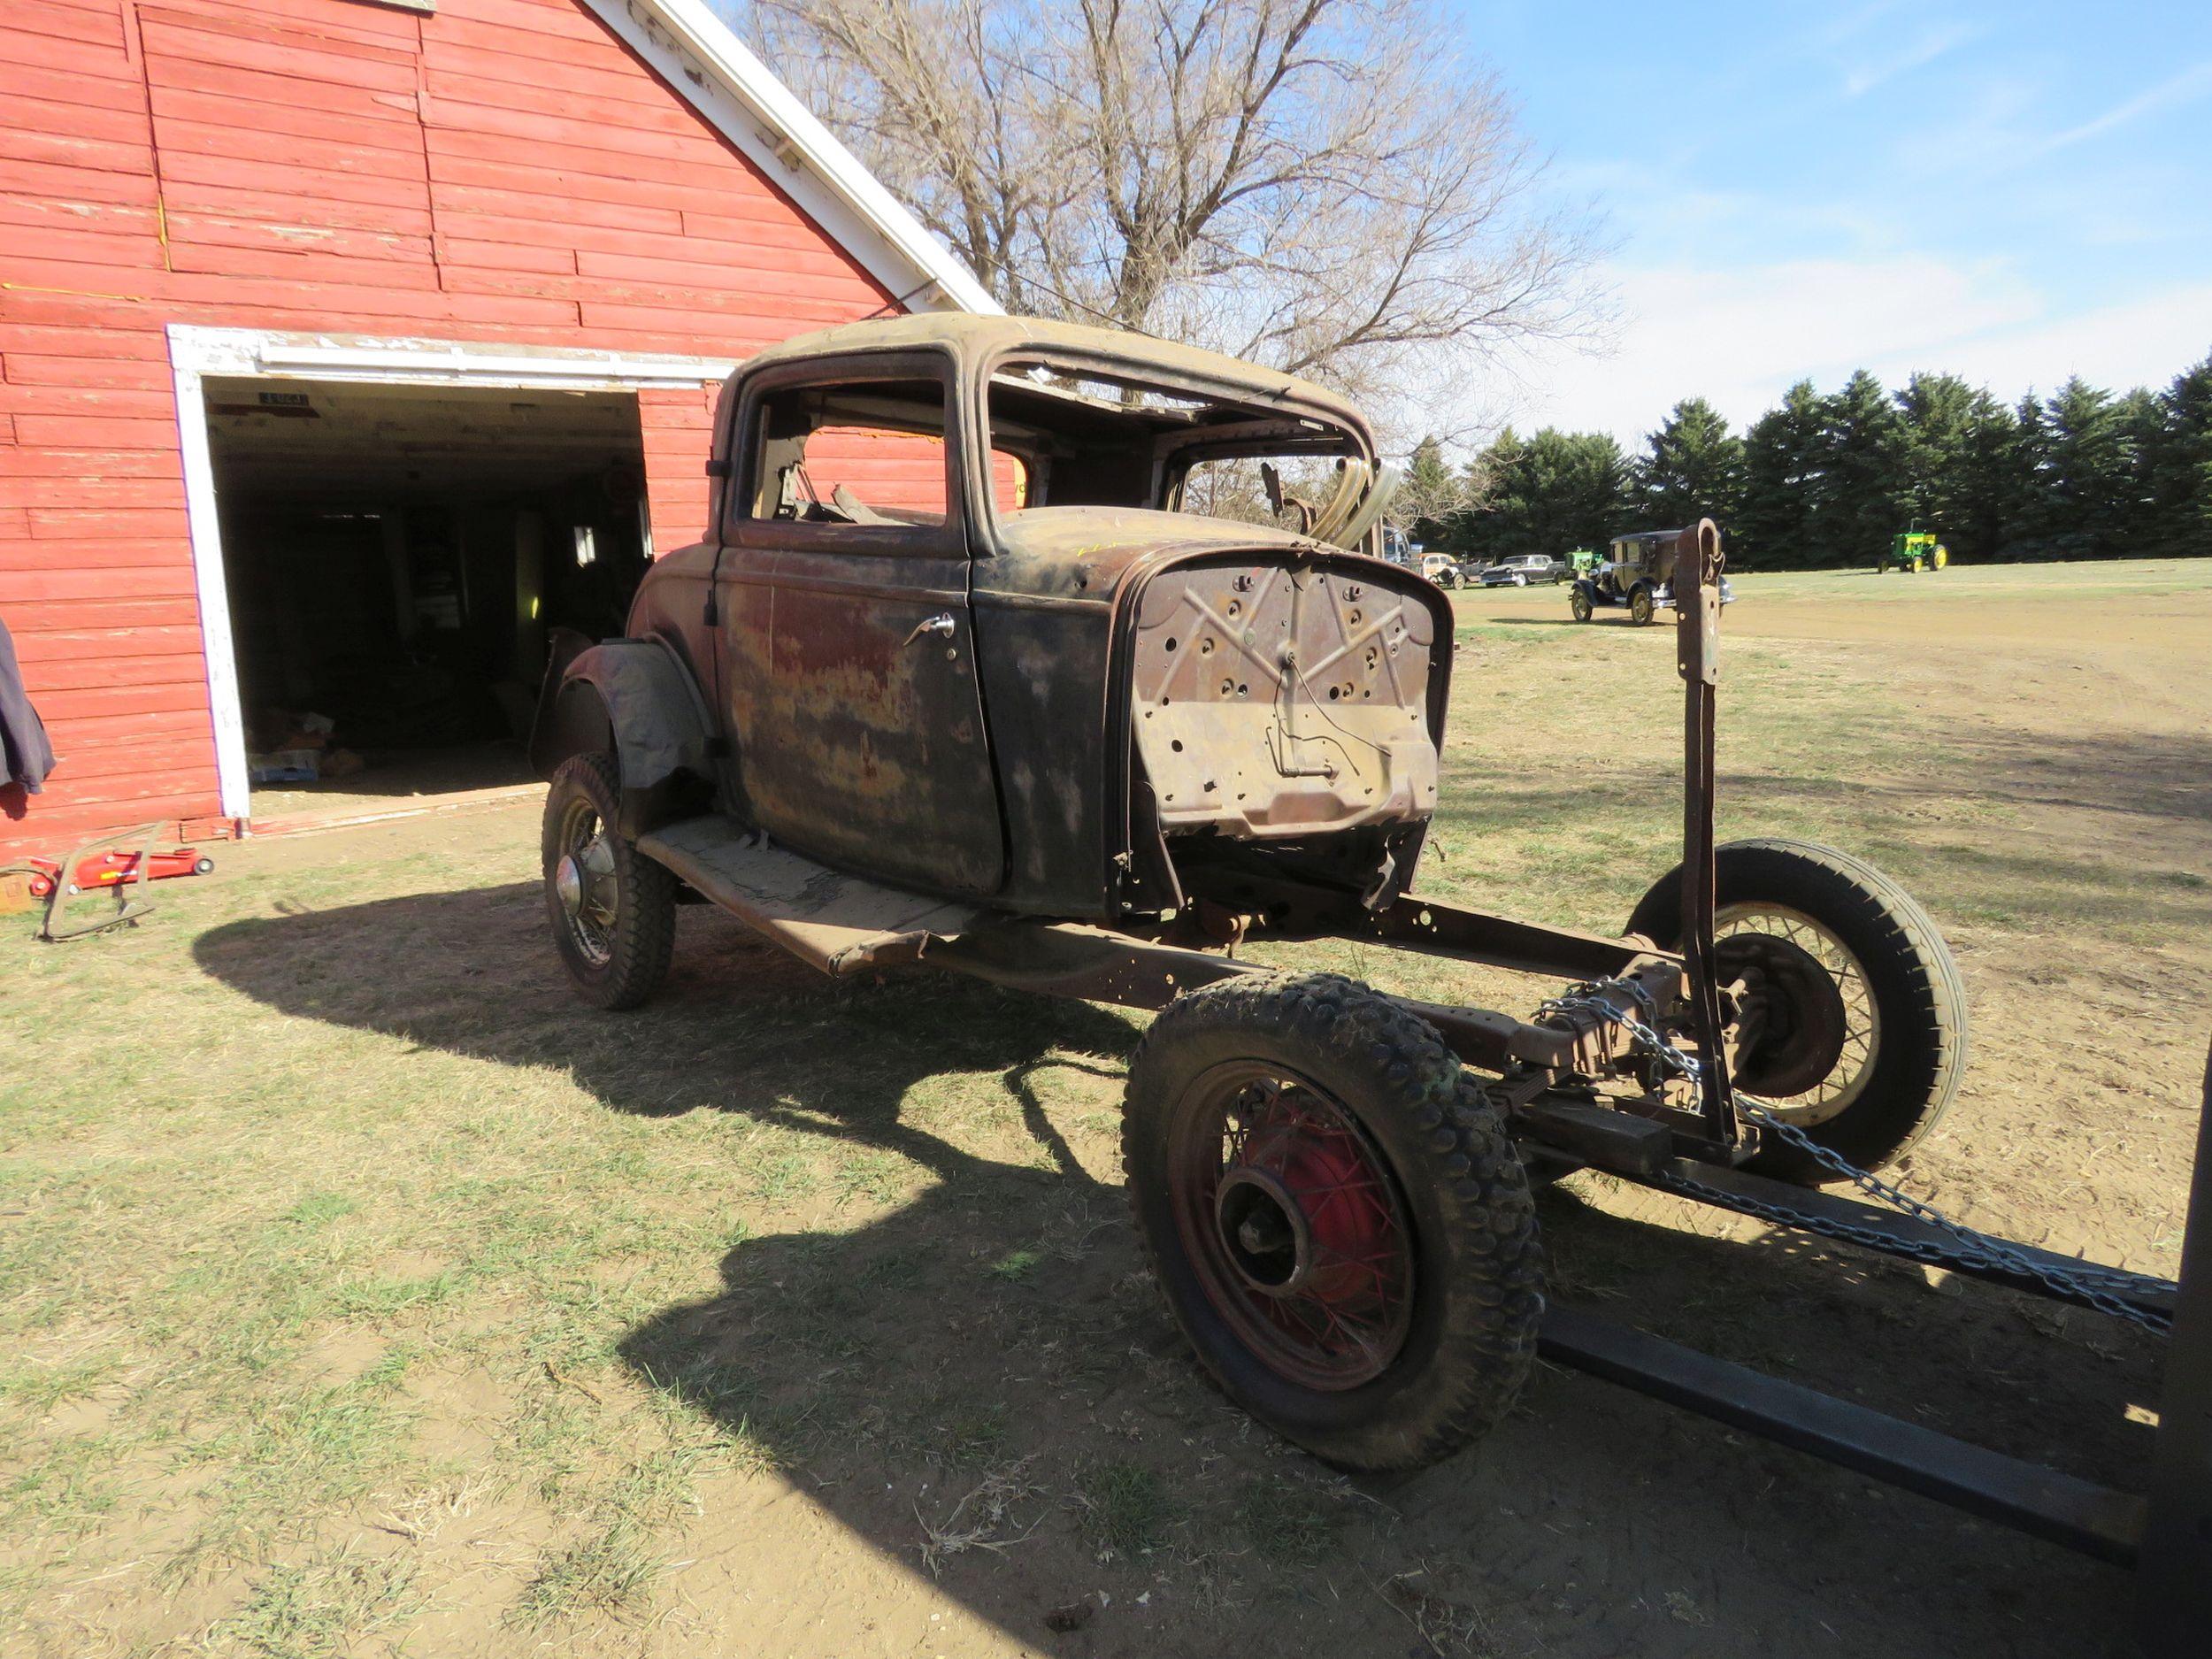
[(25, 756)]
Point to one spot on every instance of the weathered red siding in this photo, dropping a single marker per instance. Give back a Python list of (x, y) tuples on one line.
[(498, 170)]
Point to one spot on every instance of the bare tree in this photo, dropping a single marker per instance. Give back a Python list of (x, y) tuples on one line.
[(1329, 187)]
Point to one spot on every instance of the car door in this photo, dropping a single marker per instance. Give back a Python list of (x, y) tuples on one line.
[(852, 689)]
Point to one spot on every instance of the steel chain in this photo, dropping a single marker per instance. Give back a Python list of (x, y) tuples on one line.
[(2102, 1288)]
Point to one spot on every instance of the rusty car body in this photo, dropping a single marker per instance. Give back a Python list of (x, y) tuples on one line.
[(1042, 721)]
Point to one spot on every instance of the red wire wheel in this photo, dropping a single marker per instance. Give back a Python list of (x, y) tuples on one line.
[(1295, 1224), (1335, 1217)]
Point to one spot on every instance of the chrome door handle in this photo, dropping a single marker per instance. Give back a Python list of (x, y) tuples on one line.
[(942, 625)]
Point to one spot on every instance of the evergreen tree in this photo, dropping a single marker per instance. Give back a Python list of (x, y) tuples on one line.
[(1693, 468), (1936, 485), (1857, 503), (1988, 487), (2090, 471), (2180, 467), (2027, 511), (1781, 469), (1555, 491)]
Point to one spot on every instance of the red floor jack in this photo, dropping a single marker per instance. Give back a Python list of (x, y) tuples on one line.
[(100, 866)]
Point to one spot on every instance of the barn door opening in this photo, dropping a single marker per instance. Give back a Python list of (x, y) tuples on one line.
[(394, 556)]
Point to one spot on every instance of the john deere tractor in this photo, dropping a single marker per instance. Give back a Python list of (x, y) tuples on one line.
[(1914, 550)]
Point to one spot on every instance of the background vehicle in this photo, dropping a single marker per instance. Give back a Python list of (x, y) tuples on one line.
[(1440, 568), (961, 675), (1913, 551), (1524, 570), (1638, 577)]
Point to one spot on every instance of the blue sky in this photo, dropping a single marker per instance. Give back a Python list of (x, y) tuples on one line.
[(2016, 193)]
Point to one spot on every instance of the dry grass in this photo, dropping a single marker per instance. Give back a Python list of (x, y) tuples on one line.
[(352, 1280)]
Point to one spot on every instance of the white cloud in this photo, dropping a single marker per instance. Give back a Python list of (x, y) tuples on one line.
[(2185, 87), (1739, 337), (1930, 44)]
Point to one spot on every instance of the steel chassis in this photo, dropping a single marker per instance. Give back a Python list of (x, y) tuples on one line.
[(1687, 1136), (2165, 1533)]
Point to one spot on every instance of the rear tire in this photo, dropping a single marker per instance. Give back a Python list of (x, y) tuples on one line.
[(1388, 1161), (612, 909), (1893, 976)]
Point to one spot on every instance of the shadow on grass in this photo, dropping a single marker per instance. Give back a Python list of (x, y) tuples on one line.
[(999, 1321)]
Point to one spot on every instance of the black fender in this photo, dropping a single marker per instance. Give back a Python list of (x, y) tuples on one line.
[(637, 698)]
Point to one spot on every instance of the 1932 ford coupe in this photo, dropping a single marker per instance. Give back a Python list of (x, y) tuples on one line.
[(994, 658)]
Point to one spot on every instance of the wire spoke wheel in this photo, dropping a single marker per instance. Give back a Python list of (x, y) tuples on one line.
[(1818, 1063), (1295, 1224), (1852, 1021)]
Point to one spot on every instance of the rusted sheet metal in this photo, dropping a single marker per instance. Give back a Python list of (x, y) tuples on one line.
[(838, 923), (1270, 701)]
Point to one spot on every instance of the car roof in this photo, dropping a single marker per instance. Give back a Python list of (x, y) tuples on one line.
[(974, 339)]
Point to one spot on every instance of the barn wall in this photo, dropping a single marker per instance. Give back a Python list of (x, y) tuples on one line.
[(494, 171)]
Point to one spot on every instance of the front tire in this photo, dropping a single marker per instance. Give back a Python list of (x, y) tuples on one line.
[(612, 909), (1640, 609), (1580, 602), (1866, 1014), (1337, 1220)]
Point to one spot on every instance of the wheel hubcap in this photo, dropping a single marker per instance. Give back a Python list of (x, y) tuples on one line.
[(1822, 1029), (1294, 1224), (584, 886)]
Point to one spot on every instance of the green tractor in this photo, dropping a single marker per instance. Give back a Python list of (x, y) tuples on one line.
[(1913, 550), (1584, 561)]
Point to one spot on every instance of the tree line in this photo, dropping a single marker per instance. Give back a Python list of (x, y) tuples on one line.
[(1824, 481)]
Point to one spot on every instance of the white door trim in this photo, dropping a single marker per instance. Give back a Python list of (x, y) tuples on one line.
[(197, 352)]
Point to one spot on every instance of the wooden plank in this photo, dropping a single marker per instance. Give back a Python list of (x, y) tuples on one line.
[(60, 701), (529, 75), (80, 524), (95, 432), (318, 159), (280, 179), (122, 252), (116, 372), (380, 129), (95, 463), (705, 178), (579, 105), (26, 587), (21, 80), (26, 399), (69, 183), (172, 76), (247, 202), (453, 198), (27, 147), (304, 264), (69, 54), (116, 561), (74, 627), (137, 682), (145, 342), (455, 254), (373, 25), (297, 235), (160, 764), (116, 123), (30, 489), (254, 44), (99, 24)]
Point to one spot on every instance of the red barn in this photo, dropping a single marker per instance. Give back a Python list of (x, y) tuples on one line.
[(348, 345)]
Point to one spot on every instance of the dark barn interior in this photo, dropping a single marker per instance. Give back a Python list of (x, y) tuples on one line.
[(395, 556)]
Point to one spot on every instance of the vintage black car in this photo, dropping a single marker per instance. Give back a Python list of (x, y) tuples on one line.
[(991, 660)]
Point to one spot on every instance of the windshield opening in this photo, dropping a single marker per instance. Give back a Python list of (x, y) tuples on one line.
[(1088, 439)]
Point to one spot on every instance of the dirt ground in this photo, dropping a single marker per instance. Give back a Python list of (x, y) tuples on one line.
[(367, 1295)]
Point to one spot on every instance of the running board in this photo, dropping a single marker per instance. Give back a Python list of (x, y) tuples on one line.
[(841, 923), (2079, 1514)]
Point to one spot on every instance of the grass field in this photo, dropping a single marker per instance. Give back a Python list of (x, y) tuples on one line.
[(360, 1293)]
